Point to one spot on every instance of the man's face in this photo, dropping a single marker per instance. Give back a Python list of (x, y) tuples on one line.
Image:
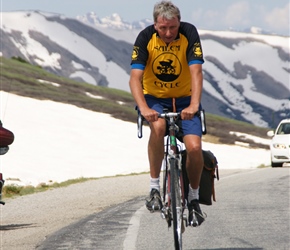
[(167, 29)]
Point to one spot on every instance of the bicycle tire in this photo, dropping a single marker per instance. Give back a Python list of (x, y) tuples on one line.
[(176, 206)]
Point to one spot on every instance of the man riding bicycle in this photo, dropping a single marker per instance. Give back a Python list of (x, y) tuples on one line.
[(166, 72)]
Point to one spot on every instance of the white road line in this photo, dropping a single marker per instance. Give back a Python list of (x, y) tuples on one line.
[(132, 231)]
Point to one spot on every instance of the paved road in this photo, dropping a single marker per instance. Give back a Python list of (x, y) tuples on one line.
[(251, 212)]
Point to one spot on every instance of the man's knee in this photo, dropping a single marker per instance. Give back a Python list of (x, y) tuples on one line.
[(158, 128), (192, 144)]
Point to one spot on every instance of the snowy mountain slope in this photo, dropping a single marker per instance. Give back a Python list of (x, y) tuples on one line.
[(53, 43), (114, 22), (246, 76)]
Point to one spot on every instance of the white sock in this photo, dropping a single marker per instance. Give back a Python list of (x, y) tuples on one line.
[(154, 183), (193, 194)]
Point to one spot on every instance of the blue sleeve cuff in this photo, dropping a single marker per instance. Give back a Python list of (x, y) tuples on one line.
[(195, 62), (137, 66)]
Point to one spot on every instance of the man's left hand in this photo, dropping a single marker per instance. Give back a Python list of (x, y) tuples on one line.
[(188, 113)]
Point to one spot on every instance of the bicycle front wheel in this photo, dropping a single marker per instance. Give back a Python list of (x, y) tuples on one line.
[(176, 206)]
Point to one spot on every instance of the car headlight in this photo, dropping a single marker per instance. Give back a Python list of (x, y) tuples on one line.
[(279, 146)]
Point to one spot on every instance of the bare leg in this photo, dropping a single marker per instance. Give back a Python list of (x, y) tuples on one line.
[(194, 162), (156, 147)]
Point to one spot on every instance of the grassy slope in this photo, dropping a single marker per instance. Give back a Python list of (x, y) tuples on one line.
[(22, 79)]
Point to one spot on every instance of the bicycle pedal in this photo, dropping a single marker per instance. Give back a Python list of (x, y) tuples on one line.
[(182, 227), (156, 208), (185, 220), (194, 222), (164, 213)]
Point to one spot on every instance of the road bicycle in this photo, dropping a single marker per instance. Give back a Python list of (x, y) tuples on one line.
[(173, 184), (174, 195)]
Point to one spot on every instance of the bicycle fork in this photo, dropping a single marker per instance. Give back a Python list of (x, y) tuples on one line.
[(166, 212)]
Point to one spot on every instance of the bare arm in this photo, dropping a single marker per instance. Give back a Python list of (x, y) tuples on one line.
[(137, 92), (196, 91)]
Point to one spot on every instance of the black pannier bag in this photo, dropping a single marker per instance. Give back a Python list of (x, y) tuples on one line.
[(209, 173)]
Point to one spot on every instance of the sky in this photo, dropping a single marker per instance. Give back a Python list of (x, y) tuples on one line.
[(270, 15), (55, 142)]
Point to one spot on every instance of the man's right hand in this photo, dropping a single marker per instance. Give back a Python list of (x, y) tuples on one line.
[(149, 114)]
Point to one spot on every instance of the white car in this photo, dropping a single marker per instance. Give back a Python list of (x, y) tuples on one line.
[(280, 144)]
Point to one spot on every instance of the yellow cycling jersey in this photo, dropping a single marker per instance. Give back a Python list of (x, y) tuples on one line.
[(166, 67)]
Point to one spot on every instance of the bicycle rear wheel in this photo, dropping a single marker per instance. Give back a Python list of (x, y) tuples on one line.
[(176, 206)]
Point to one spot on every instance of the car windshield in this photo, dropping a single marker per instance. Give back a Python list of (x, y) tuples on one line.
[(284, 129)]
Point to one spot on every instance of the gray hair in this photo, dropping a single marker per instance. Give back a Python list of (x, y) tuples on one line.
[(165, 9)]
